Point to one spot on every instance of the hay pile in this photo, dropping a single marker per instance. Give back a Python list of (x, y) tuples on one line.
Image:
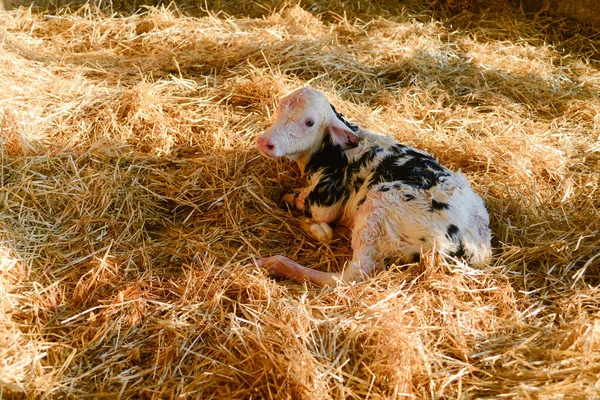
[(133, 204)]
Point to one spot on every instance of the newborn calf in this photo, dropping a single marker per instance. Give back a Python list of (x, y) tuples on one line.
[(396, 199)]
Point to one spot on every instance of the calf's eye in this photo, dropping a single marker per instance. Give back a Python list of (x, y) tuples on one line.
[(310, 122)]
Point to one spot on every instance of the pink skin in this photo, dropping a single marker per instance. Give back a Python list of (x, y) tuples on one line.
[(265, 146), (285, 268)]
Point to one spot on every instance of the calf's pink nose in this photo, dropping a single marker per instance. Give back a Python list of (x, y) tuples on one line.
[(265, 145)]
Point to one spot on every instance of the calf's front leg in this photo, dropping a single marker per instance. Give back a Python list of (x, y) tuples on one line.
[(284, 267), (365, 261), (320, 231), (296, 198)]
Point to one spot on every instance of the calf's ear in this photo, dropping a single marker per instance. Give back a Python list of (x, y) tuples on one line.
[(291, 102), (294, 99), (342, 135)]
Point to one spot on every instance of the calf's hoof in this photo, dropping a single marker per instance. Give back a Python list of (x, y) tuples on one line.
[(320, 231)]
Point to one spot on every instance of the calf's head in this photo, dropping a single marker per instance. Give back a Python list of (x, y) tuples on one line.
[(304, 119)]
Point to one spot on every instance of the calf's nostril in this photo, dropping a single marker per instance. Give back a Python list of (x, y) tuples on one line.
[(270, 146)]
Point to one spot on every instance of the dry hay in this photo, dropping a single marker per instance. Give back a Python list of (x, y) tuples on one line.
[(133, 204)]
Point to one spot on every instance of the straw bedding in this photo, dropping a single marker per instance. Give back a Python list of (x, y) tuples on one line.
[(134, 203)]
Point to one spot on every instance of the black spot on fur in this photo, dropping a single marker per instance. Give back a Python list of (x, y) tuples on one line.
[(352, 127), (331, 161), (438, 206), (460, 251), (358, 182), (328, 191), (384, 189), (410, 168), (329, 156), (399, 149), (353, 169), (423, 239), (362, 200), (452, 231), (367, 157), (408, 197)]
